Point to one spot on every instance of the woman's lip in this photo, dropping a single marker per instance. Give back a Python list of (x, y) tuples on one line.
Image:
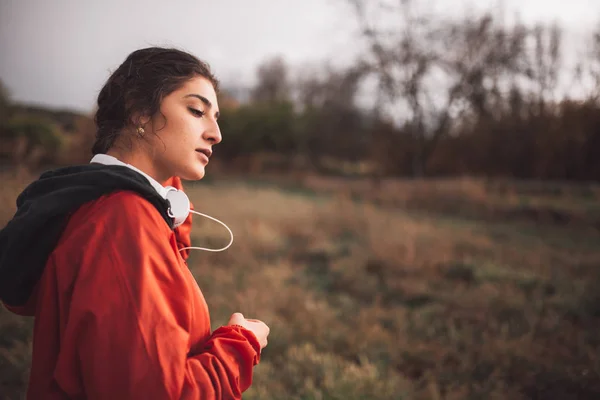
[(203, 155), (206, 152)]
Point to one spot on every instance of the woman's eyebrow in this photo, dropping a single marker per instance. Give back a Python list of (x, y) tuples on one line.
[(201, 98)]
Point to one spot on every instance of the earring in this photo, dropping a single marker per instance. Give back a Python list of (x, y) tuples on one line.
[(140, 131)]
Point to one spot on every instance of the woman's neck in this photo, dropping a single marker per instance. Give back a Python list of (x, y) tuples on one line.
[(141, 160)]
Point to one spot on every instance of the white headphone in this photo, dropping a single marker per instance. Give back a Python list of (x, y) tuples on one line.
[(179, 203)]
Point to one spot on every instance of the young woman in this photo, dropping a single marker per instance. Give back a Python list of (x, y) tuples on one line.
[(97, 252)]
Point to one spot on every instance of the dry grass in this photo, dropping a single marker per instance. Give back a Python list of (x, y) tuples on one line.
[(575, 205), (367, 301)]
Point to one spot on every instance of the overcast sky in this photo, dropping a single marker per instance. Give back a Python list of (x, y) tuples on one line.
[(59, 52)]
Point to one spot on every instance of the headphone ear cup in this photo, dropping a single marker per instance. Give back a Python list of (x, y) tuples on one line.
[(179, 205)]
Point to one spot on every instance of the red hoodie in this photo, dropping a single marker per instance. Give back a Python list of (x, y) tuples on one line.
[(118, 315)]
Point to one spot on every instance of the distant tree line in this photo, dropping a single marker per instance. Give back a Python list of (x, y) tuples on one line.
[(469, 96)]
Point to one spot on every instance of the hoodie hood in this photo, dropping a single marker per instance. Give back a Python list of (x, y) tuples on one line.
[(43, 209)]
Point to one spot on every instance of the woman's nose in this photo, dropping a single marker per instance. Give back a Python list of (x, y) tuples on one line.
[(213, 135)]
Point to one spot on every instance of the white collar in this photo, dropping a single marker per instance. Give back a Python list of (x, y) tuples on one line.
[(110, 160)]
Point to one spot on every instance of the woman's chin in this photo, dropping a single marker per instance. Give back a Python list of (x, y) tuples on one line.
[(194, 174)]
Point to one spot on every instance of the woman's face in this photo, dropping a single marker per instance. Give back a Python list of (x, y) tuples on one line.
[(183, 139)]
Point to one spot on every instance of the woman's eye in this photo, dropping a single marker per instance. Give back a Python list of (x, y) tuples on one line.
[(197, 113)]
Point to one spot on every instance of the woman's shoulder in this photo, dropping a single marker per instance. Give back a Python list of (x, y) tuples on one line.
[(120, 209)]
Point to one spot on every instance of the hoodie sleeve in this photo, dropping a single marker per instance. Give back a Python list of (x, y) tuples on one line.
[(131, 313), (182, 232)]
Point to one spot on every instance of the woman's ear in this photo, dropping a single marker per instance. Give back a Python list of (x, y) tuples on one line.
[(139, 120), (144, 120)]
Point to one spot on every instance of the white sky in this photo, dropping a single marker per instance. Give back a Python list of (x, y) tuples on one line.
[(58, 53)]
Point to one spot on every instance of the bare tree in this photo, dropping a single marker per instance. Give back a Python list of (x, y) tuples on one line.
[(547, 62), (594, 63), (328, 102), (431, 69), (273, 82)]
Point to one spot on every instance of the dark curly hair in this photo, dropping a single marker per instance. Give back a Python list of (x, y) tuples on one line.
[(138, 86)]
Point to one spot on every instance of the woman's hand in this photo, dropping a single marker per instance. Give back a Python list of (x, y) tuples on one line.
[(259, 328)]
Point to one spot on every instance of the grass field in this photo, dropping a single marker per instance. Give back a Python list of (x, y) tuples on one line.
[(409, 290)]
